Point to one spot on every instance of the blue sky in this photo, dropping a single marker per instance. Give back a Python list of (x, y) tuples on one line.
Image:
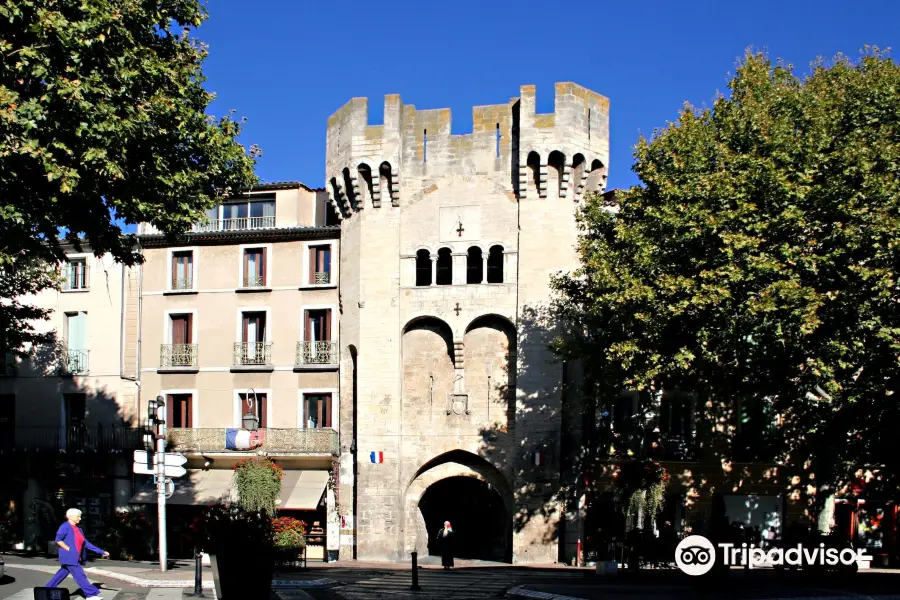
[(287, 65)]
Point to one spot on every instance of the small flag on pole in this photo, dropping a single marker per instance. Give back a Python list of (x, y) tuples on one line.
[(376, 457), (539, 458)]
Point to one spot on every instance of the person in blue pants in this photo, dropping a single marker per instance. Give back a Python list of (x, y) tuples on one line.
[(73, 547)]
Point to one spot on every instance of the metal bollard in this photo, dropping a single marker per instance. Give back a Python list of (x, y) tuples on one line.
[(415, 572), (198, 574)]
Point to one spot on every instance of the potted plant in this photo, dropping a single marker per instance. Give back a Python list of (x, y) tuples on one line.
[(240, 544), (290, 539), (258, 484)]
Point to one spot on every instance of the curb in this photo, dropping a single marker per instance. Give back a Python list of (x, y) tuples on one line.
[(521, 592), (277, 584)]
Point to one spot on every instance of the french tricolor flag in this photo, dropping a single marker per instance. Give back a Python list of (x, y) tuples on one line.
[(241, 439), (376, 457), (539, 458)]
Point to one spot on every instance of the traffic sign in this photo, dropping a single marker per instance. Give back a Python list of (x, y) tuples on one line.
[(144, 469), (173, 459), (175, 471)]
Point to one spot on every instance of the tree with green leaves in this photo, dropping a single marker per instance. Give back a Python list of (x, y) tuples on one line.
[(756, 263), (103, 123)]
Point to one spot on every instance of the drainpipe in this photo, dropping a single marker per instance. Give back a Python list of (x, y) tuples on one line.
[(140, 326)]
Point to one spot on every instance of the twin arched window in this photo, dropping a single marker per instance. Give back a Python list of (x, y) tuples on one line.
[(479, 269)]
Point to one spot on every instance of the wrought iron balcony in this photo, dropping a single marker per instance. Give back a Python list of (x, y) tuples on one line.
[(248, 354), (75, 362), (78, 439), (316, 353), (254, 281), (240, 224), (323, 278), (175, 356), (294, 441)]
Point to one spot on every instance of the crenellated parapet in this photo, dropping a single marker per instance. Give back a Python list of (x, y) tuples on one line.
[(558, 155)]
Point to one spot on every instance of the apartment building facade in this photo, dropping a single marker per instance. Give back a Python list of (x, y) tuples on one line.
[(68, 410), (239, 319)]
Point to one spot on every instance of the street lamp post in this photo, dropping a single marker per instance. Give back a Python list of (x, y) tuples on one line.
[(250, 420)]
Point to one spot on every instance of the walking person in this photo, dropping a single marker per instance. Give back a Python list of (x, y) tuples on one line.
[(73, 547), (445, 544)]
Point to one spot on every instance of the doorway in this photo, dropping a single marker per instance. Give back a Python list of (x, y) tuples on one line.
[(476, 511)]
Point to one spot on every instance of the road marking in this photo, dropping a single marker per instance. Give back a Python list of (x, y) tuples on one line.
[(165, 594)]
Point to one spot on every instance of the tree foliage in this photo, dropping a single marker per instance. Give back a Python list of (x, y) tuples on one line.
[(103, 121), (758, 259), (20, 281)]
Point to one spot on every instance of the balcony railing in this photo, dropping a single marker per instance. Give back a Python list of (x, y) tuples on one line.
[(173, 356), (247, 354), (299, 441), (254, 281), (240, 224), (75, 362), (183, 283), (87, 438), (316, 353), (323, 278)]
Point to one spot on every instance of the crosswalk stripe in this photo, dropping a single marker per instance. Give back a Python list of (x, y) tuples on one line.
[(165, 594)]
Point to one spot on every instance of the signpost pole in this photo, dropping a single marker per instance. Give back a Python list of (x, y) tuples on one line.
[(161, 481)]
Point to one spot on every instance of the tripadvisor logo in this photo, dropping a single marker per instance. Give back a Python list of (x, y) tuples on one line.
[(696, 555)]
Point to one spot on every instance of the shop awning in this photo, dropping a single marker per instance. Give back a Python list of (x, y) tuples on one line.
[(198, 487), (302, 490)]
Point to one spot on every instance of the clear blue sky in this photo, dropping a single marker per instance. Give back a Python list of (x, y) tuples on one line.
[(287, 65)]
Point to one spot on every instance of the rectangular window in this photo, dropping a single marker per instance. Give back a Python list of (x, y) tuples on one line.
[(76, 331), (317, 410), (179, 408), (7, 419), (254, 327), (254, 267), (77, 274), (256, 214), (74, 410), (183, 270), (318, 325), (320, 265), (258, 408)]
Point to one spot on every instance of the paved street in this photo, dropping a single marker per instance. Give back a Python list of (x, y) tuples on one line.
[(19, 584)]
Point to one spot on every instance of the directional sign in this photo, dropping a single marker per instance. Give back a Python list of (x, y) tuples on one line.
[(173, 459), (144, 469), (175, 471)]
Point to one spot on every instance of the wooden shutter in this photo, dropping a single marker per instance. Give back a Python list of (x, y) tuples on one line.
[(263, 402), (327, 325), (313, 256), (174, 271), (262, 268), (326, 422), (307, 326), (178, 329), (188, 328), (246, 268), (170, 409), (245, 318)]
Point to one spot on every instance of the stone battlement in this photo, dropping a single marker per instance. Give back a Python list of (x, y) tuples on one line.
[(370, 164)]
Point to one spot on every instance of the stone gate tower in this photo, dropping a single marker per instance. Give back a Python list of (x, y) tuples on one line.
[(448, 243)]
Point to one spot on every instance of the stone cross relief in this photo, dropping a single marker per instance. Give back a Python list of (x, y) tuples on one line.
[(459, 229)]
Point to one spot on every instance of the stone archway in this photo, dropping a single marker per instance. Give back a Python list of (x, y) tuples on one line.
[(483, 522)]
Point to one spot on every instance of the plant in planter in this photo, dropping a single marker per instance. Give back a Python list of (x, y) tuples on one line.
[(290, 539), (641, 487), (258, 484), (240, 544)]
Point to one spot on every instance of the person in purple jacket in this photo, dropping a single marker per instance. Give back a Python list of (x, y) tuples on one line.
[(73, 547)]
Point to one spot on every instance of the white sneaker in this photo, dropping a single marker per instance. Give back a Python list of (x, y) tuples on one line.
[(94, 598)]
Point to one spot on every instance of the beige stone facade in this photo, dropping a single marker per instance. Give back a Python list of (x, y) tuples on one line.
[(448, 245), (241, 315)]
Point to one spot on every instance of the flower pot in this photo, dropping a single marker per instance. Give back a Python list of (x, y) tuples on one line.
[(238, 574)]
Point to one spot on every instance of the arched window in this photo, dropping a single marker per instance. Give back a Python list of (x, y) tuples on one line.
[(444, 267), (387, 183), (423, 267), (495, 265), (474, 266)]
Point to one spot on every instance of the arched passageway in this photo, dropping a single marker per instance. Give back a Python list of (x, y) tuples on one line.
[(477, 513)]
